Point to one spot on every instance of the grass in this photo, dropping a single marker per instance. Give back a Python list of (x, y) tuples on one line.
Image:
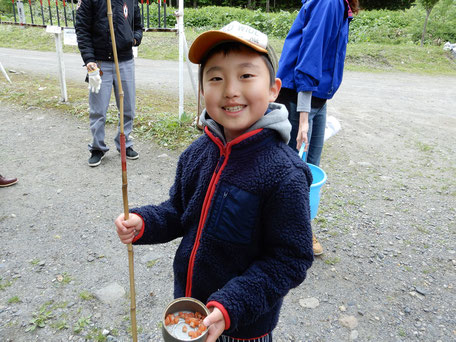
[(41, 318), (82, 323), (14, 300), (156, 113), (4, 283), (86, 295), (164, 46), (151, 263)]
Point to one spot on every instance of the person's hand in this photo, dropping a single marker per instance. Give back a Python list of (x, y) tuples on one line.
[(94, 79), (128, 229), (91, 66), (216, 324), (302, 131)]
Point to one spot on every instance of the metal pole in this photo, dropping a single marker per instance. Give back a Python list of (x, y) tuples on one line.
[(58, 46), (50, 12), (142, 12), (180, 25), (159, 21), (72, 14), (64, 13), (123, 157), (148, 23), (164, 13), (57, 10), (31, 11), (4, 73), (42, 13), (14, 11)]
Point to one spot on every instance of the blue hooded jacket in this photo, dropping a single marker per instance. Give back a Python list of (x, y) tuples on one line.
[(242, 210), (314, 51)]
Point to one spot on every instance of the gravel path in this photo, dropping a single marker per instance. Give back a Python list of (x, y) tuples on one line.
[(386, 220)]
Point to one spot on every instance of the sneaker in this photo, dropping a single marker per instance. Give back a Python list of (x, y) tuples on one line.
[(96, 158), (317, 248), (131, 153)]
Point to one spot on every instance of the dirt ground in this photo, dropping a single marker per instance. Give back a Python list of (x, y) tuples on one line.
[(386, 220)]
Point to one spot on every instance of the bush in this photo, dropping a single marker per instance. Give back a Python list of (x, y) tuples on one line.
[(380, 26), (214, 17), (395, 27), (386, 4)]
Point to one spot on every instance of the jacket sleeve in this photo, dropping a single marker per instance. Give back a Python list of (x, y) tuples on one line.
[(84, 20), (138, 24), (321, 24), (163, 221), (287, 254)]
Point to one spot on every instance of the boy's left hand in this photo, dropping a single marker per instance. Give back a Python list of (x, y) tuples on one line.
[(216, 324)]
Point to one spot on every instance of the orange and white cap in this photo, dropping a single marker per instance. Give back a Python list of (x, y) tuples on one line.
[(234, 31)]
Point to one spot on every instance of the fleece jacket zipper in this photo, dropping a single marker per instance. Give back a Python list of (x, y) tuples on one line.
[(223, 160)]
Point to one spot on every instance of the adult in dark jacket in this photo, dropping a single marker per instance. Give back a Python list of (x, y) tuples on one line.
[(311, 68), (243, 245), (94, 42)]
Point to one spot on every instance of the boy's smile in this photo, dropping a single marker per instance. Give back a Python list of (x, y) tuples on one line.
[(237, 91)]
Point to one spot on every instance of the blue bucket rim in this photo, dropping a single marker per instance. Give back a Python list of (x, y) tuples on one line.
[(323, 181)]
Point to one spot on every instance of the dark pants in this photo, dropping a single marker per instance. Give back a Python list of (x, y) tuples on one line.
[(317, 123)]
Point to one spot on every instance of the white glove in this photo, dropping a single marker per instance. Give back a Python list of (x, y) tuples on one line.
[(94, 80)]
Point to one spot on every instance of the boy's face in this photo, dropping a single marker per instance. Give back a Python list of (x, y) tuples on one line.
[(237, 91)]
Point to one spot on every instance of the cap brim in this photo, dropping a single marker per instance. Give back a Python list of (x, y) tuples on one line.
[(207, 40)]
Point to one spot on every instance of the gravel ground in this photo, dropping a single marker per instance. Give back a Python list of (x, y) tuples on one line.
[(386, 221)]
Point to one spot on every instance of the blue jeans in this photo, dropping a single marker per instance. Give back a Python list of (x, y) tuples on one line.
[(317, 125), (99, 103)]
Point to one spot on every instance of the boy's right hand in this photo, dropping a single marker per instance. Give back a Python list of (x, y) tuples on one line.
[(128, 229), (216, 324)]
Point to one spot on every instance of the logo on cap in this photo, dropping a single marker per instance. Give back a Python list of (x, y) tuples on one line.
[(247, 33)]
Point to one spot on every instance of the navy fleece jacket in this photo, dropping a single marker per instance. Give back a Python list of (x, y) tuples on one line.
[(242, 210)]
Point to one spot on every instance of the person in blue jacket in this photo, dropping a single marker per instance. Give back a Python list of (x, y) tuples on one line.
[(311, 68), (240, 199)]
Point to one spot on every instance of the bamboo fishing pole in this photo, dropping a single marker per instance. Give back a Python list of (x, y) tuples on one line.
[(123, 158)]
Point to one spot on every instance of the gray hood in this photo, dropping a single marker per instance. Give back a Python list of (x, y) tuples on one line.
[(276, 118)]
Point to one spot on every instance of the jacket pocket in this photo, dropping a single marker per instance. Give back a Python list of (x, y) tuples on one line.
[(233, 214)]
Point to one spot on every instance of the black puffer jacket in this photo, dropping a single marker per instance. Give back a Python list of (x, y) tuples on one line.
[(92, 29)]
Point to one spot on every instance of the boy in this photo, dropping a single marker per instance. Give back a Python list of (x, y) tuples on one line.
[(240, 200)]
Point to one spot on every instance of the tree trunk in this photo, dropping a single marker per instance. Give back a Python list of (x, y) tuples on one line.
[(428, 13), (249, 4), (195, 3), (267, 5)]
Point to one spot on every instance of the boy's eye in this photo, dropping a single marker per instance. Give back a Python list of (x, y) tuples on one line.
[(246, 76), (215, 78)]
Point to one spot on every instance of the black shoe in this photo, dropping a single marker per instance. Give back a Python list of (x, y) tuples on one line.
[(131, 153), (96, 158)]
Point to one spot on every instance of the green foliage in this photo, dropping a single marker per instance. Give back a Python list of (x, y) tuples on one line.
[(151, 263), (6, 7), (60, 325), (428, 4), (81, 324), (380, 26), (86, 295), (14, 300), (274, 24), (386, 4), (5, 283), (41, 317), (441, 26), (399, 27)]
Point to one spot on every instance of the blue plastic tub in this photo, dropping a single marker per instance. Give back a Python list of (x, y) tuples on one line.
[(319, 179)]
